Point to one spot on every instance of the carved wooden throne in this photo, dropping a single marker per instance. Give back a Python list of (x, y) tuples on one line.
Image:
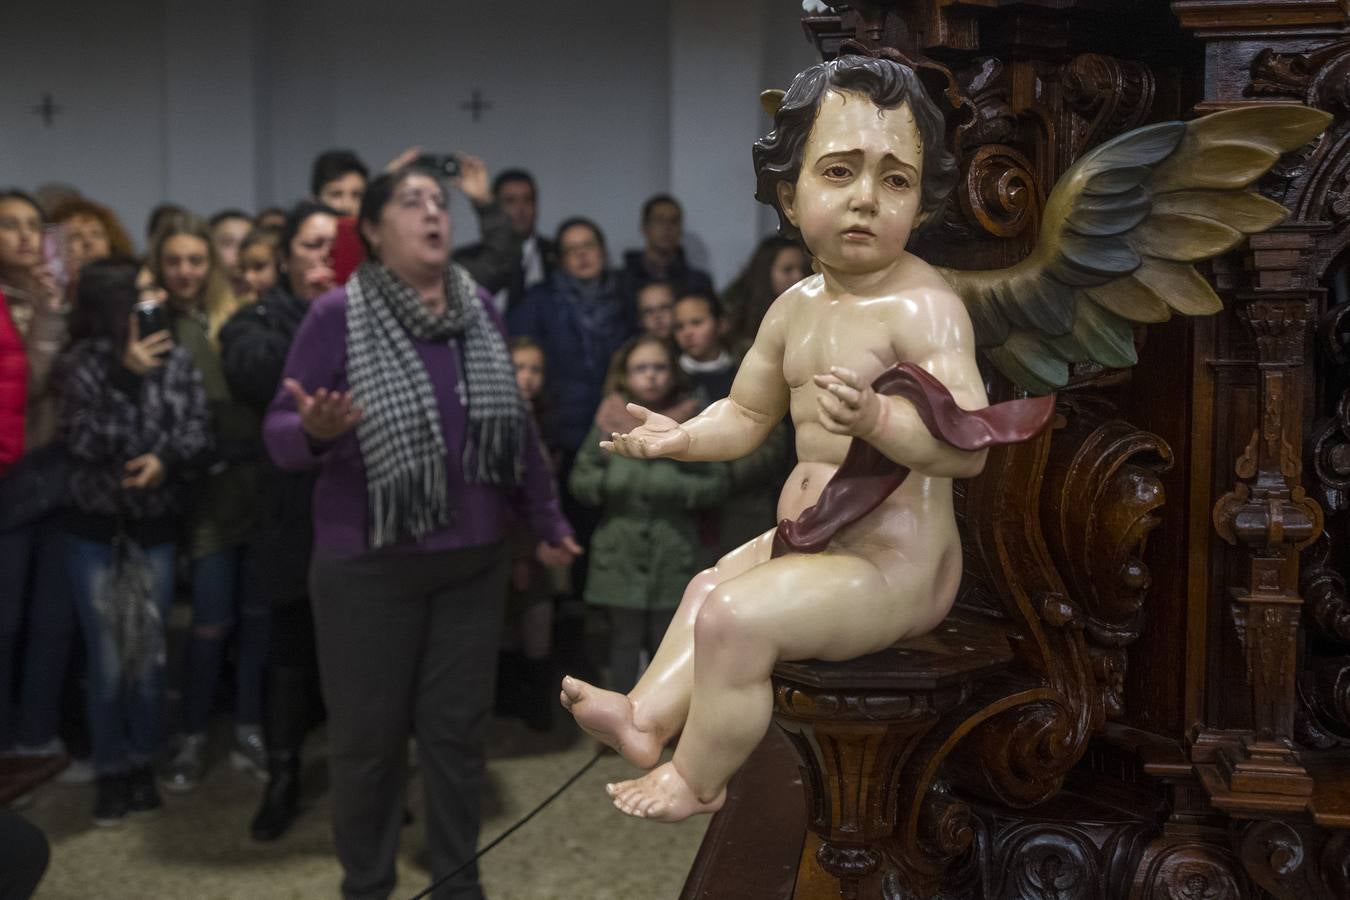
[(1144, 691)]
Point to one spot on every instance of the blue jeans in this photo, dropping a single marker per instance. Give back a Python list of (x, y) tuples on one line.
[(35, 654), (125, 719), (224, 584)]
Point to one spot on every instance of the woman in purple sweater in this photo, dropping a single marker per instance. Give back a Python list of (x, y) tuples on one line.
[(400, 389)]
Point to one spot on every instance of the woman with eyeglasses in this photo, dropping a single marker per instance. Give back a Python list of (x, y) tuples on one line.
[(399, 390)]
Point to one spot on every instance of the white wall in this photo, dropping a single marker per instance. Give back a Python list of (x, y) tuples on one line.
[(105, 65), (578, 94), (211, 105)]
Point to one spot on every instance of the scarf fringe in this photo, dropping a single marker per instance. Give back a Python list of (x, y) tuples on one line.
[(410, 503), (493, 454)]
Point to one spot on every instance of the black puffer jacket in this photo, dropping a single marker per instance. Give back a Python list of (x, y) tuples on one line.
[(253, 348)]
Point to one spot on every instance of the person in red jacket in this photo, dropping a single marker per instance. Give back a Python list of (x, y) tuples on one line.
[(13, 389)]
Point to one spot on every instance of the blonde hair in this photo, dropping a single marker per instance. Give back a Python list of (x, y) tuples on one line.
[(216, 301)]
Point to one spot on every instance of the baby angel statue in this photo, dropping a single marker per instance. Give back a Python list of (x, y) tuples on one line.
[(874, 357)]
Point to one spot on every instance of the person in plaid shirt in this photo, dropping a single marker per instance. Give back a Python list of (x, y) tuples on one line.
[(133, 414)]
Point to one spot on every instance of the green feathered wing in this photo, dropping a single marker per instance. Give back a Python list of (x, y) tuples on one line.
[(1118, 238)]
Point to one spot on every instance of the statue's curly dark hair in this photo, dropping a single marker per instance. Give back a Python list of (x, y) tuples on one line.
[(888, 84)]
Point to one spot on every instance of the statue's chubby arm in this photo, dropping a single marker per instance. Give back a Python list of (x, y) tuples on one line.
[(942, 341), (735, 426)]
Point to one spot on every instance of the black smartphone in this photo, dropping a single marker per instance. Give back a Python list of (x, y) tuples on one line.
[(445, 165), (150, 317)]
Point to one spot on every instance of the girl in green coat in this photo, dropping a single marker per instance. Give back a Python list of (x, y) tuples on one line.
[(647, 546)]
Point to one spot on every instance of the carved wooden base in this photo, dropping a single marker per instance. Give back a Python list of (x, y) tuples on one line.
[(854, 726)]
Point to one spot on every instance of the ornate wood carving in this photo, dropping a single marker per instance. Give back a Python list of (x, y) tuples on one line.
[(1322, 720), (959, 793), (1075, 847), (855, 727), (1192, 870), (1293, 861), (1268, 513), (1068, 554), (1099, 507), (1110, 96)]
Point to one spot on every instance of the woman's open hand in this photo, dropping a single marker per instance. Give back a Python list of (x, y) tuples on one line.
[(324, 415), (658, 436)]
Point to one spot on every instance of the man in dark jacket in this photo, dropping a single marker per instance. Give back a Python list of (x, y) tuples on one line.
[(662, 255), (517, 195), (579, 317), (339, 181)]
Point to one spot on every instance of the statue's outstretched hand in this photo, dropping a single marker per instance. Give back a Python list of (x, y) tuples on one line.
[(848, 405), (656, 437)]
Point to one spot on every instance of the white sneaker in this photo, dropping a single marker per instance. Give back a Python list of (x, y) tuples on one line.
[(80, 771), (249, 753), (54, 747), (184, 772)]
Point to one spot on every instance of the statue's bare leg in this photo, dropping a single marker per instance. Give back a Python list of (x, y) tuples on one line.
[(833, 605), (639, 724)]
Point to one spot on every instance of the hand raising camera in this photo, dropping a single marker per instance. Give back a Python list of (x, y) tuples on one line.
[(142, 354)]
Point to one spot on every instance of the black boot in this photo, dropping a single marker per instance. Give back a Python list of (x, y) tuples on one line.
[(538, 694), (281, 797), (285, 719)]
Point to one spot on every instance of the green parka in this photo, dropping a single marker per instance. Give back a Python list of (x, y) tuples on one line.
[(646, 548), (224, 506)]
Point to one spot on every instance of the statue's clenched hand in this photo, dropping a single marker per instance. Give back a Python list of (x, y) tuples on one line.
[(848, 405), (656, 437)]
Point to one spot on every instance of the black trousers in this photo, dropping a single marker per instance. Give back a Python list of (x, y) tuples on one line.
[(23, 856), (291, 701), (407, 645)]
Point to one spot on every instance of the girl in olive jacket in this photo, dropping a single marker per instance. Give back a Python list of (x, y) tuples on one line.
[(647, 547)]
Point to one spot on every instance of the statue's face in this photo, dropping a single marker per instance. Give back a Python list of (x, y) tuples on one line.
[(857, 196)]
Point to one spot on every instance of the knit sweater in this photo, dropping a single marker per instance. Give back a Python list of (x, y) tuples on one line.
[(318, 358)]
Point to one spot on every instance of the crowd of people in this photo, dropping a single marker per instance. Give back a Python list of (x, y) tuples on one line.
[(368, 461)]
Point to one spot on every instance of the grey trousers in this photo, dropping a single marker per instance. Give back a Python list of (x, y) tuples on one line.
[(407, 645)]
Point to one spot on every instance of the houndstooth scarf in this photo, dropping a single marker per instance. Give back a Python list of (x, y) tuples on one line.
[(400, 428)]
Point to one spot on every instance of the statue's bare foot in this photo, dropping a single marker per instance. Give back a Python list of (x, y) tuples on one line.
[(662, 795), (607, 716)]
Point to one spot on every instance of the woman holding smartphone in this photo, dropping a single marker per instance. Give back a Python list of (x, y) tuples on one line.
[(133, 416), (225, 597), (33, 586)]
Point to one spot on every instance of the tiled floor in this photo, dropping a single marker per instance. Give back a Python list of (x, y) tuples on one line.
[(198, 847)]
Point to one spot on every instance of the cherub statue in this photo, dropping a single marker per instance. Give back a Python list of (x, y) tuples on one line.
[(875, 359)]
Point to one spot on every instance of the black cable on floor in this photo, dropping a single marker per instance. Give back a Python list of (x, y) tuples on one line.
[(512, 830)]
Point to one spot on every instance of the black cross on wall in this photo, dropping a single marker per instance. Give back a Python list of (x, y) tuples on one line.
[(47, 109), (476, 105)]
